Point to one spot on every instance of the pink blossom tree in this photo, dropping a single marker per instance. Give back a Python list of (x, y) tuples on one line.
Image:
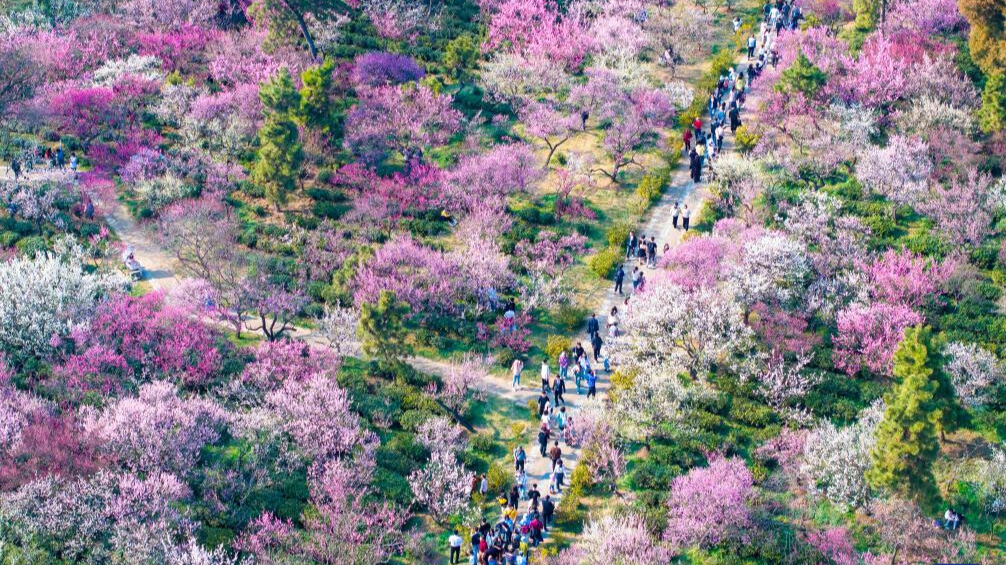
[(463, 384), (552, 126), (900, 171), (868, 335), (906, 278), (442, 485), (87, 113), (392, 119), (487, 179), (158, 431), (611, 540), (633, 122), (964, 209), (710, 505)]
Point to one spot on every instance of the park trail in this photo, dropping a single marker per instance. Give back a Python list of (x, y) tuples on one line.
[(161, 271)]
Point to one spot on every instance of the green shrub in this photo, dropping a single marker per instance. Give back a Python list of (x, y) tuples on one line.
[(603, 262), (505, 357), (330, 210), (651, 475), (746, 139), (392, 486), (532, 408), (569, 513), (482, 442), (747, 412), (412, 419), (30, 246), (555, 345), (617, 235), (580, 480), (8, 238), (569, 316), (498, 477), (650, 188)]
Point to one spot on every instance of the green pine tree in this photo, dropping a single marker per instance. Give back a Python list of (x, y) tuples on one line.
[(382, 328), (315, 105), (462, 53), (906, 438), (279, 95), (992, 116), (867, 13), (280, 154), (803, 77)]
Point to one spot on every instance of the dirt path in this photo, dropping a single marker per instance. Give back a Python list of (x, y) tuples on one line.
[(159, 266)]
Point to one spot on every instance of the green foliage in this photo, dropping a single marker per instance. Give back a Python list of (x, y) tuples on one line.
[(801, 77), (992, 116), (987, 37), (382, 328), (570, 316), (555, 345), (461, 54), (867, 13), (745, 140), (651, 187), (412, 419), (505, 357), (617, 235), (906, 437), (532, 408), (498, 477), (315, 109), (482, 442), (279, 159), (279, 95), (603, 262)]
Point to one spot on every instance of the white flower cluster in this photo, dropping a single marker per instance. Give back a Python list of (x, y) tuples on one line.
[(143, 66), (835, 460)]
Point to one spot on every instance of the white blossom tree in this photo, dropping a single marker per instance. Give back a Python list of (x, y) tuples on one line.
[(442, 485), (975, 372), (835, 460), (693, 328), (45, 297), (773, 269)]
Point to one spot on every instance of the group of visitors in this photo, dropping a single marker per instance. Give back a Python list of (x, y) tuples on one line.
[(508, 541), (23, 163)]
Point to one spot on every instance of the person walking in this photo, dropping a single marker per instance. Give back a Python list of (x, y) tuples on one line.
[(543, 403), (619, 278), (519, 458), (516, 369), (555, 453), (651, 251), (455, 542), (547, 511), (636, 274), (752, 42), (563, 365), (595, 343), (591, 385), (674, 218), (630, 245), (686, 216), (560, 475), (546, 376), (558, 389), (543, 440), (593, 327)]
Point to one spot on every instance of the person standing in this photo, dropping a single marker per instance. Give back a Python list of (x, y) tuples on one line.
[(593, 327), (516, 369), (651, 251), (455, 542), (591, 385), (735, 118), (686, 216), (752, 42), (543, 403), (555, 453), (560, 475), (563, 365), (596, 343), (636, 273), (674, 218), (484, 485), (630, 245), (546, 376), (619, 278)]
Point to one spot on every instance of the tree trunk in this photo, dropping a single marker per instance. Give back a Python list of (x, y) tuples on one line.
[(303, 29)]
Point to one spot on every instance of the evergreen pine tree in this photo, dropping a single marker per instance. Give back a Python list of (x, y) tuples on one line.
[(280, 154), (382, 328), (992, 116), (906, 438), (315, 109)]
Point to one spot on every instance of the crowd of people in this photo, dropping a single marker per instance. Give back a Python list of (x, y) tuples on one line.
[(509, 540), (24, 161)]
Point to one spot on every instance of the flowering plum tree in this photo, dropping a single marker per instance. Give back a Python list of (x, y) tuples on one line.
[(906, 278), (550, 125), (390, 118), (611, 540), (46, 296), (868, 335), (900, 171), (976, 373), (835, 460), (380, 69), (964, 210), (486, 179), (158, 431), (710, 505)]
